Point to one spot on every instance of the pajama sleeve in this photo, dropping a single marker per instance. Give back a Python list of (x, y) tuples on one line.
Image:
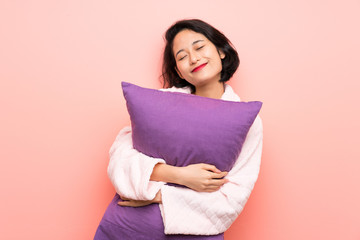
[(129, 170), (186, 211)]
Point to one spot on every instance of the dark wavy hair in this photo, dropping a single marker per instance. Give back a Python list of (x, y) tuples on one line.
[(229, 64)]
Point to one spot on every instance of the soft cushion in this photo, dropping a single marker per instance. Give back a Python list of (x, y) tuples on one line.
[(182, 129), (186, 129)]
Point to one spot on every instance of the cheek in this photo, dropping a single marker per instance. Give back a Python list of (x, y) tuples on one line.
[(181, 68), (220, 64), (207, 53), (218, 61)]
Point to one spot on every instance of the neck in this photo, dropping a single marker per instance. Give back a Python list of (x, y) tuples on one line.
[(215, 90)]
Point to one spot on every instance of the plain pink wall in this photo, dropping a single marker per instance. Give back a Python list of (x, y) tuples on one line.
[(61, 64)]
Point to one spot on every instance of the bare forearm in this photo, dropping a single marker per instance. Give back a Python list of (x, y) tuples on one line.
[(199, 177), (166, 173)]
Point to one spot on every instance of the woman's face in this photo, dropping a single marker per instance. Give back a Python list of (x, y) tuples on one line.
[(197, 59)]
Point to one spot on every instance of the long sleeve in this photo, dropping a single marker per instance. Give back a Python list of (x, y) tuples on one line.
[(130, 171), (185, 211)]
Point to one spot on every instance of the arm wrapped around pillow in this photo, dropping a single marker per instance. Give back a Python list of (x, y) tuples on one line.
[(185, 129), (183, 210), (129, 170), (188, 212)]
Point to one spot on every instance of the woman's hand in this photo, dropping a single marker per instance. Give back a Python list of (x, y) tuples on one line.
[(199, 177), (139, 203), (202, 177)]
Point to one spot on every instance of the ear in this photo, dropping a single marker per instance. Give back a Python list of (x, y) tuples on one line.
[(178, 72), (222, 54)]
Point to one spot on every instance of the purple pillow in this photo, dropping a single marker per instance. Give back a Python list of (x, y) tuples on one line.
[(186, 129), (182, 129)]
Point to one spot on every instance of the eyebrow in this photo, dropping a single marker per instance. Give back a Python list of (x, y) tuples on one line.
[(195, 42)]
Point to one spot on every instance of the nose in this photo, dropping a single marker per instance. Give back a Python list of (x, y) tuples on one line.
[(194, 57)]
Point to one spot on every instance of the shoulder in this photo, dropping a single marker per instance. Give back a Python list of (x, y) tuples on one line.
[(229, 94), (257, 125)]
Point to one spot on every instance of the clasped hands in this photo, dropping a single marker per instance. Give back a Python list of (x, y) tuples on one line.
[(200, 177)]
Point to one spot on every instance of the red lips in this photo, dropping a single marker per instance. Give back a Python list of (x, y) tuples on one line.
[(199, 67)]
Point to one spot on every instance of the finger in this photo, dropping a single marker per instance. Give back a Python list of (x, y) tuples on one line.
[(124, 198), (130, 204), (124, 203), (133, 203), (219, 175), (212, 189), (217, 182), (211, 168)]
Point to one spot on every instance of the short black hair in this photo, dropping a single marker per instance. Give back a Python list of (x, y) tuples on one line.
[(229, 64)]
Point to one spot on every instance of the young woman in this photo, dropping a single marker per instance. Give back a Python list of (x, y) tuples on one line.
[(198, 59)]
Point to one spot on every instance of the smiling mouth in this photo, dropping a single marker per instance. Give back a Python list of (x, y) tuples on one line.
[(199, 67)]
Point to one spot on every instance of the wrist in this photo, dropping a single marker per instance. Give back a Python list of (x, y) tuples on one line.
[(166, 173), (179, 176)]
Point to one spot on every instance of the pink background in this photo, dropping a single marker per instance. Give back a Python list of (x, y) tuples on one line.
[(61, 64)]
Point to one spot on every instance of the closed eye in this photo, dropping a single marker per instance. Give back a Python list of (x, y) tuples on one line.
[(182, 58), (200, 47)]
